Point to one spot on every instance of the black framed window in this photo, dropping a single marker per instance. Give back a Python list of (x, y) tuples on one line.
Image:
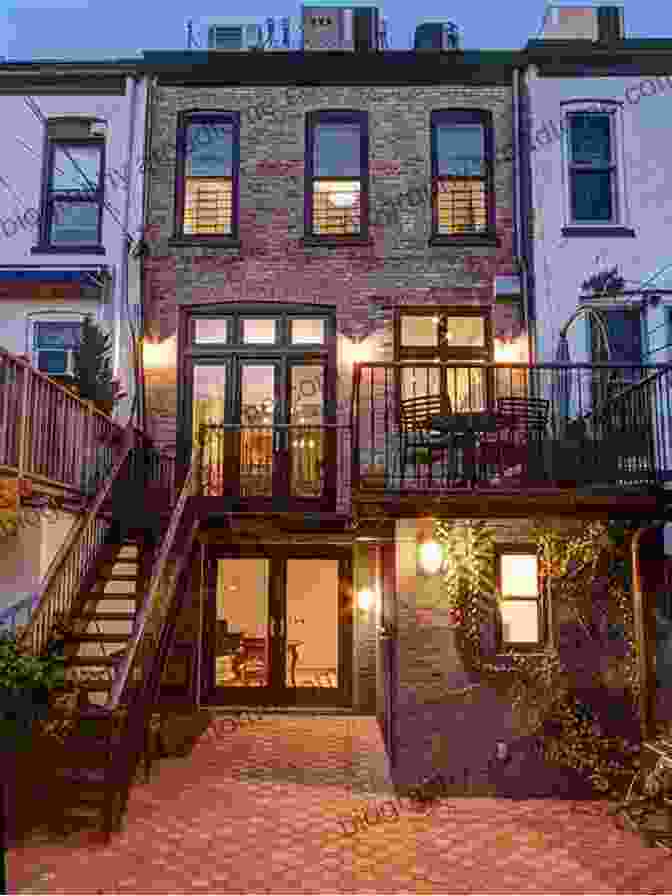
[(522, 622), (74, 194), (462, 173), (208, 162), (54, 345), (592, 168), (337, 174)]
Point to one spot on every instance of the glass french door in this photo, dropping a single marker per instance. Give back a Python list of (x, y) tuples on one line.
[(279, 629), (265, 439)]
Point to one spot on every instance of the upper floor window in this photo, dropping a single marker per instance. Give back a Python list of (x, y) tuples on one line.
[(337, 174), (74, 194), (462, 185), (594, 183), (207, 175)]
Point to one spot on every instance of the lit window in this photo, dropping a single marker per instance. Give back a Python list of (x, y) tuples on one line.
[(520, 599), (210, 169)]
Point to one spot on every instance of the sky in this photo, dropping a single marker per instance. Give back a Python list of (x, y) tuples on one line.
[(77, 29)]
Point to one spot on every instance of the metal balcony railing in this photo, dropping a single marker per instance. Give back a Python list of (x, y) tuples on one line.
[(280, 464), (510, 425)]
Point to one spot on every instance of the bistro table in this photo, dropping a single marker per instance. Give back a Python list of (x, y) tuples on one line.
[(468, 426)]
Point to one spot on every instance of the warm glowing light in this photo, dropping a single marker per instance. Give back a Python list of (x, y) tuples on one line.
[(513, 351), (519, 575), (357, 352), (160, 354), (431, 557), (366, 599), (342, 200)]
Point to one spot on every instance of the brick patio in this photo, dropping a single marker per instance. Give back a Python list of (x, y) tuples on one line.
[(255, 811)]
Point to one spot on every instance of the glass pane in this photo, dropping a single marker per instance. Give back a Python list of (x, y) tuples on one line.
[(337, 150), (241, 629), (590, 140), (52, 362), (307, 440), (336, 207), (256, 449), (261, 332), (57, 335), (79, 172), (417, 381), (465, 332), (209, 408), (519, 575), (461, 150), (312, 623), (207, 206), (209, 151), (307, 332), (466, 389), (419, 331), (207, 330), (591, 196), (461, 206), (75, 223), (520, 621)]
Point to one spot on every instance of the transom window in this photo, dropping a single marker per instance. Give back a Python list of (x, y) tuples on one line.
[(207, 175), (336, 174), (462, 173), (246, 329), (522, 622), (74, 194)]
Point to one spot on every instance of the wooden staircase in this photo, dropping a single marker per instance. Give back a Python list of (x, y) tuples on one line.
[(118, 604)]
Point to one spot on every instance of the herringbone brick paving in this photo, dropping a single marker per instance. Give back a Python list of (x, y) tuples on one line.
[(255, 811)]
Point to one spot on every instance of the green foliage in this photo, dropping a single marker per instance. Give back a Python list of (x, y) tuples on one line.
[(93, 365), (21, 671)]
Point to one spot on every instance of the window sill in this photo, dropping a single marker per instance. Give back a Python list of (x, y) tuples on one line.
[(67, 250), (217, 242), (333, 241), (488, 240), (598, 231)]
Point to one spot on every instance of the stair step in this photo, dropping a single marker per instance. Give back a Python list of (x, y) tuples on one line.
[(94, 686), (94, 661), (98, 639), (107, 617), (106, 595)]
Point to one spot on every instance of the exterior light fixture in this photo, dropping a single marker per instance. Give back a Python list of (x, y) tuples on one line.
[(366, 599), (431, 557)]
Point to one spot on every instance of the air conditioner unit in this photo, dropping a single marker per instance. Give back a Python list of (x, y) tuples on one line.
[(55, 362), (340, 27), (234, 34), (437, 36)]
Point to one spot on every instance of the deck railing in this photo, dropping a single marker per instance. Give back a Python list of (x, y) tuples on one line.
[(281, 464), (605, 424)]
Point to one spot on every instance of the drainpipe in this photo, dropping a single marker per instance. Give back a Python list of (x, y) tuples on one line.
[(150, 87), (644, 664), (520, 200), (121, 303)]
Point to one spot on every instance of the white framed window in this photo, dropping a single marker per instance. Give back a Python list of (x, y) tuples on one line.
[(521, 604), (593, 164), (52, 341)]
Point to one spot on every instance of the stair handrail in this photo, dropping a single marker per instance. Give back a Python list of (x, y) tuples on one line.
[(36, 634), (9, 614), (159, 569)]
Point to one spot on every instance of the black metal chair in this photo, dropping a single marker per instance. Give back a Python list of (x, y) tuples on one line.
[(416, 436)]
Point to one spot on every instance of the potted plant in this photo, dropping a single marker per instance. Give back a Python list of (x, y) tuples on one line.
[(93, 380)]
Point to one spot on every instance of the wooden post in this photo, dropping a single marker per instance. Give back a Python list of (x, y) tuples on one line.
[(23, 434)]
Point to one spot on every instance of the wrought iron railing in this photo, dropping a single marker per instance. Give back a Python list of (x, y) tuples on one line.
[(293, 462), (602, 424)]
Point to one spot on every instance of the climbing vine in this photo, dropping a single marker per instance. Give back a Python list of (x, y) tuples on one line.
[(540, 685)]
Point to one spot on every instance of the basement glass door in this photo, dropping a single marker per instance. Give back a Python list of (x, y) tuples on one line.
[(279, 628)]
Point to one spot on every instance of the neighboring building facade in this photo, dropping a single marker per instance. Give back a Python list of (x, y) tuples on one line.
[(71, 188)]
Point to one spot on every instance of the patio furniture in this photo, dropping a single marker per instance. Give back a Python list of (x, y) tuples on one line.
[(465, 430), (418, 440), (519, 436)]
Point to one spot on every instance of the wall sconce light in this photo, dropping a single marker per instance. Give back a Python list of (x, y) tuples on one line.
[(366, 599), (501, 750), (431, 557)]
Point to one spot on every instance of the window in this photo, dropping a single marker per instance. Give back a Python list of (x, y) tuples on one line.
[(522, 623), (207, 176), (54, 345), (337, 174), (462, 184), (593, 164), (74, 194), (447, 334)]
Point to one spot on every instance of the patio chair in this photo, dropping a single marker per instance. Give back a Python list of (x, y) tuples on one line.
[(417, 441), (521, 425)]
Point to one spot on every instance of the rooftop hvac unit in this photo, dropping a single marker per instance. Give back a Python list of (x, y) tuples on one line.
[(337, 27), (234, 34), (437, 36), (583, 21)]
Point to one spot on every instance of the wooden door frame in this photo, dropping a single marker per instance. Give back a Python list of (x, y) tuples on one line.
[(276, 693)]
